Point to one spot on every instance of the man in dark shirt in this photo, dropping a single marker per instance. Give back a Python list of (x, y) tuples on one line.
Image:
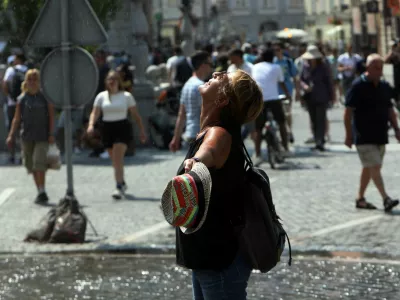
[(369, 110), (393, 58)]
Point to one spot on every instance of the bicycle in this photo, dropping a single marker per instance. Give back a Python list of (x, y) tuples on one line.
[(271, 136)]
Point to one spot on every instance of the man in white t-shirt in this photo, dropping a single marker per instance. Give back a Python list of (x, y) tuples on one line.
[(16, 69), (269, 76), (347, 63), (172, 62), (237, 62)]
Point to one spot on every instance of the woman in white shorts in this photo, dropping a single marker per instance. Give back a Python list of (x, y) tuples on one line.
[(114, 104)]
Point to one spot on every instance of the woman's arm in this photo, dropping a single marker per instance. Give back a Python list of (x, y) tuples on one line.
[(94, 116), (214, 150)]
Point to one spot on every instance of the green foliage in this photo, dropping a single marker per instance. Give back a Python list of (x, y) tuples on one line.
[(23, 13)]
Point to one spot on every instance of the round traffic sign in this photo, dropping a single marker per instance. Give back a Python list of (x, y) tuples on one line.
[(84, 77)]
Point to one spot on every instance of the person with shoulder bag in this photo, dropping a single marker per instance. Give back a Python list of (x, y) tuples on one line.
[(208, 183), (114, 104), (36, 116)]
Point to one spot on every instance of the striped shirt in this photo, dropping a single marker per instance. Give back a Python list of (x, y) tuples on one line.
[(191, 99)]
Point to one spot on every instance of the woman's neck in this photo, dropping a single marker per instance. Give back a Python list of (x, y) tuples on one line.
[(209, 120), (113, 92)]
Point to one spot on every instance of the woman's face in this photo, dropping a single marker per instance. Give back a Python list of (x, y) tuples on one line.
[(32, 82), (212, 88), (112, 82)]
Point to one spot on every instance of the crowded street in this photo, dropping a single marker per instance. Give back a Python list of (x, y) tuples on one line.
[(199, 149)]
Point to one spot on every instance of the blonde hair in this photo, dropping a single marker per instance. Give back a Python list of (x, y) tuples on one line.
[(115, 74), (28, 74), (245, 97)]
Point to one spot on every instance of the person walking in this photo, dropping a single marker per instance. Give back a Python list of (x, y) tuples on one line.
[(190, 102), (318, 92), (269, 76), (114, 104), (36, 117), (209, 245), (368, 112), (237, 62), (12, 81)]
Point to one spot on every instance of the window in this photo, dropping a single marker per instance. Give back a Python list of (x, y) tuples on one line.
[(267, 4), (242, 3), (296, 3)]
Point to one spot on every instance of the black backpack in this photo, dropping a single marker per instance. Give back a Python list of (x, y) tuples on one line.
[(65, 223), (261, 236), (16, 83)]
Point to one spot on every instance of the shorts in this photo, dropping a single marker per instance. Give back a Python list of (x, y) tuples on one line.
[(276, 108), (117, 132), (371, 155), (34, 156)]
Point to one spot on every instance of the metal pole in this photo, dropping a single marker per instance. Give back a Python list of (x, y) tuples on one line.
[(65, 47)]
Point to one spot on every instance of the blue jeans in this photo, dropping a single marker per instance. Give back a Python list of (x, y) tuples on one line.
[(228, 284)]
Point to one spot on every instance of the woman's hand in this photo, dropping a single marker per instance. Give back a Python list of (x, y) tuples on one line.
[(188, 164), (90, 130), (51, 139), (9, 142), (143, 137)]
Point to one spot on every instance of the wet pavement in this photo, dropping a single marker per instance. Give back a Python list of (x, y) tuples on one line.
[(157, 277)]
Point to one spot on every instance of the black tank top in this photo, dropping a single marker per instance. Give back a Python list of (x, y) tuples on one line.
[(215, 245)]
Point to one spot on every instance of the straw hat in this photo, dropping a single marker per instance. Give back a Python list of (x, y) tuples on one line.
[(312, 53), (186, 199)]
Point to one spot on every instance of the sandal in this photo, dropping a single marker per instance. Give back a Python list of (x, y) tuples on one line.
[(363, 204)]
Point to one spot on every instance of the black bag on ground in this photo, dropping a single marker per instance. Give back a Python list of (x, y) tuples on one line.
[(46, 225), (70, 226), (261, 237)]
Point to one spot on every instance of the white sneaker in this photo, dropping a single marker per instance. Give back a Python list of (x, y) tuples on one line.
[(105, 155), (257, 161), (117, 194)]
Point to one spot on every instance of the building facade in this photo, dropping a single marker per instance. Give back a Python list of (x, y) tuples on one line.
[(249, 19), (329, 21)]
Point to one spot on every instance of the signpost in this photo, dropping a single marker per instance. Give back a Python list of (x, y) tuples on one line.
[(69, 74)]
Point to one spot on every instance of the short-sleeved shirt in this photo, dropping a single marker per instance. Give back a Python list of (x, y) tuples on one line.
[(191, 99), (34, 117), (348, 60), (268, 76), (371, 105), (289, 71), (114, 106), (247, 67)]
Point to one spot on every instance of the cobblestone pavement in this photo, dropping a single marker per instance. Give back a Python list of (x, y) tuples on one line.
[(313, 192), (108, 277)]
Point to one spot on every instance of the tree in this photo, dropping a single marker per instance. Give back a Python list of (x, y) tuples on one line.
[(18, 16)]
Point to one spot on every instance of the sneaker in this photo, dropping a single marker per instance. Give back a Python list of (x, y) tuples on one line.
[(117, 194), (291, 138), (42, 198), (310, 141), (389, 203), (257, 161), (105, 155)]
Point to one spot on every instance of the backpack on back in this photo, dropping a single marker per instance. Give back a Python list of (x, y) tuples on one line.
[(262, 237), (16, 82)]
